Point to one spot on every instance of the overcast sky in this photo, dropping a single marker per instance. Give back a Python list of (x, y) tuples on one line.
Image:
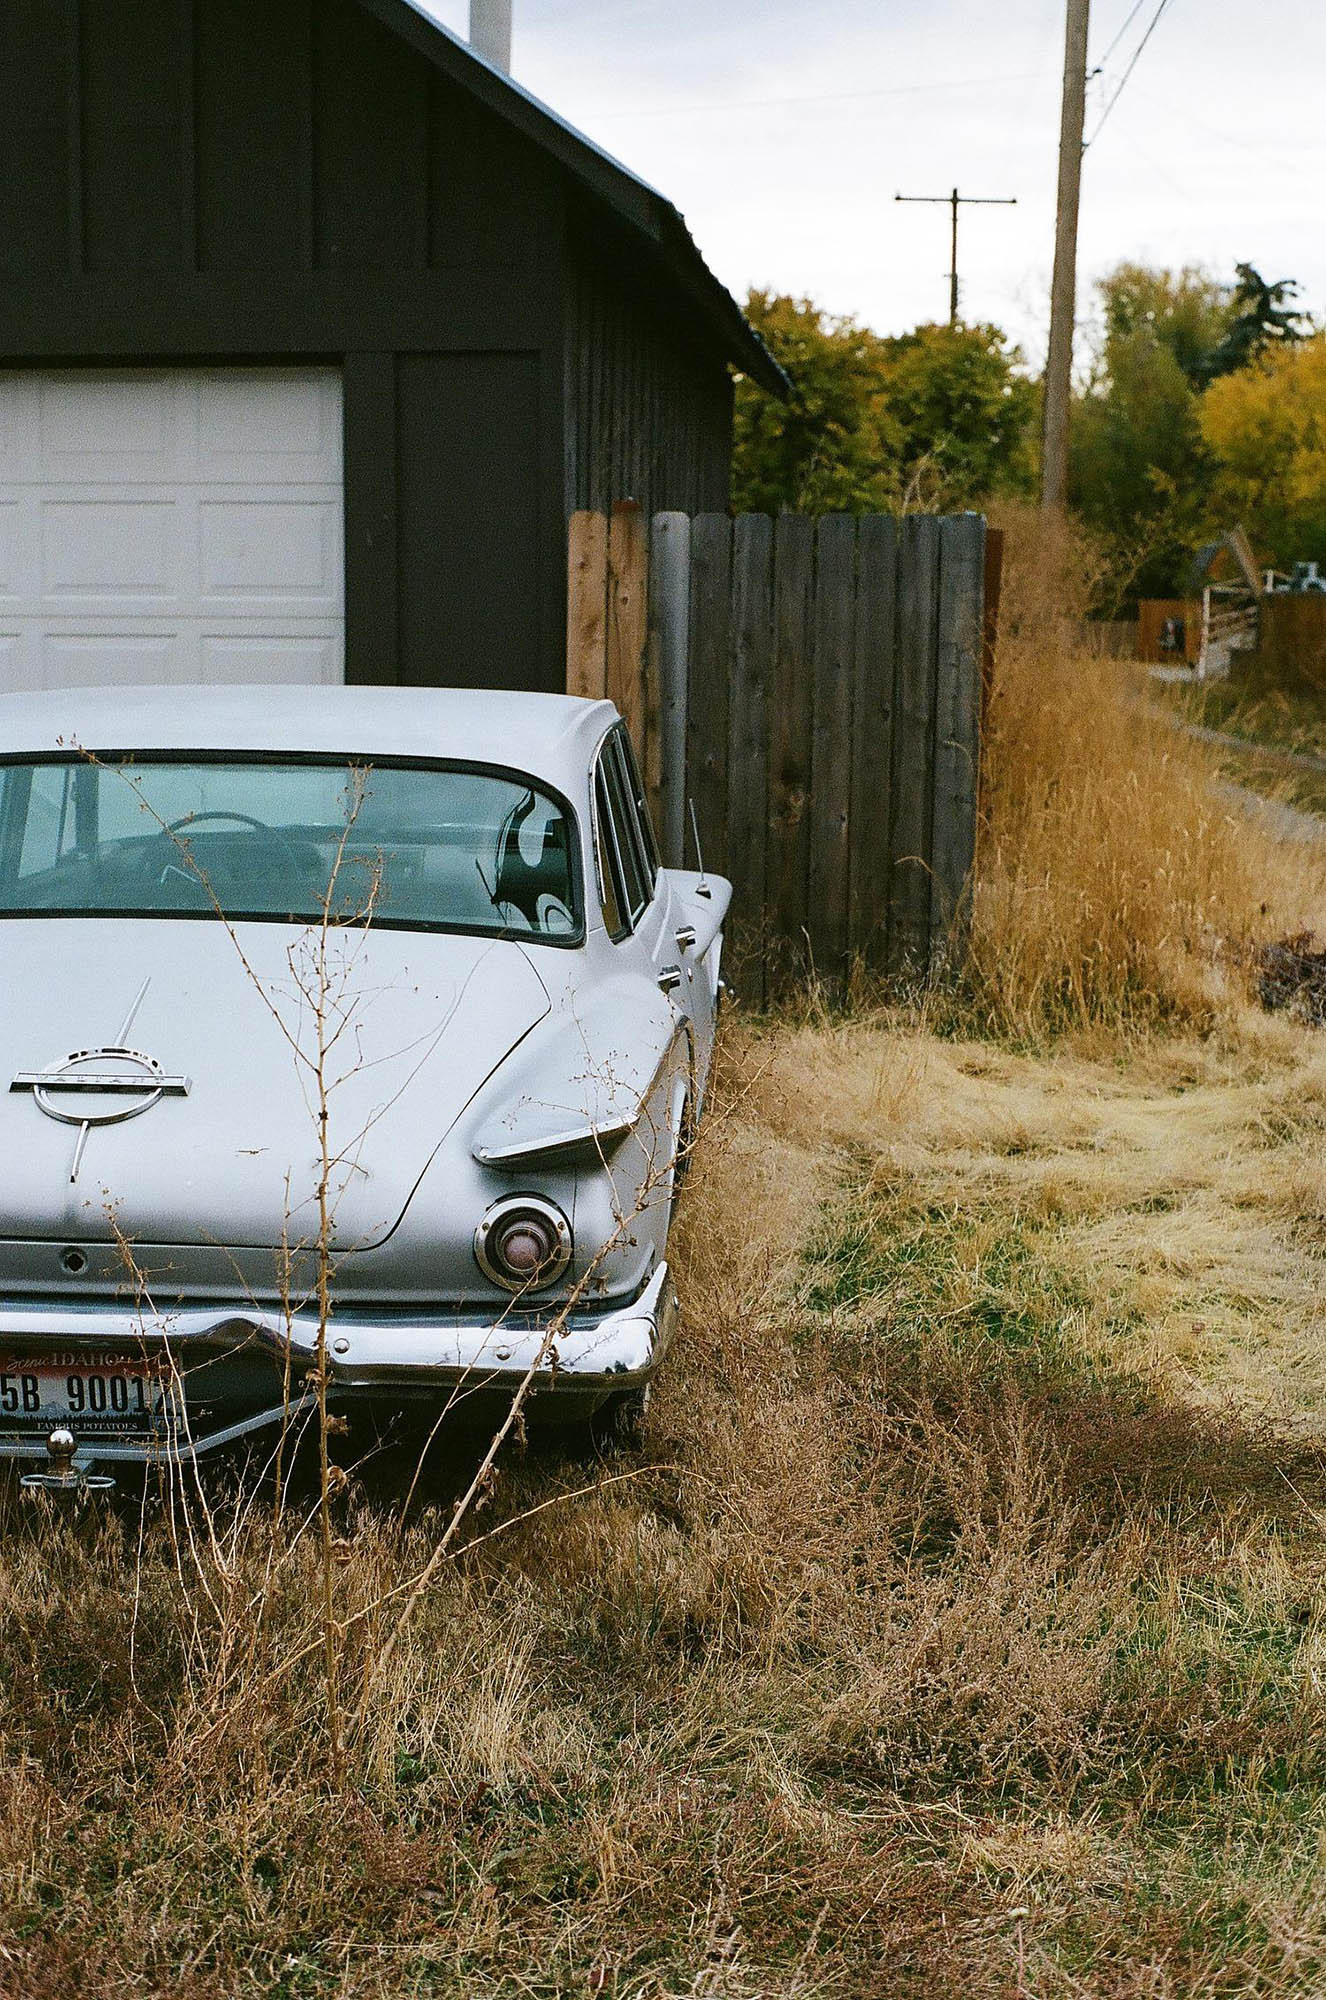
[(783, 129)]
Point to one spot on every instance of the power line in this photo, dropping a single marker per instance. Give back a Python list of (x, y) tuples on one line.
[(824, 97), (1133, 13), (1284, 157), (1155, 23)]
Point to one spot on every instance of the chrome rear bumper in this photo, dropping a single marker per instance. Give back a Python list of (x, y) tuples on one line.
[(376, 1358)]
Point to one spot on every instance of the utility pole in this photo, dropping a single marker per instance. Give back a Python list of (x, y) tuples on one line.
[(955, 201), (1059, 359)]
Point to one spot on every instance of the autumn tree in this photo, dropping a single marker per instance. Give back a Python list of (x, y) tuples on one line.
[(829, 447), (1265, 428), (1139, 470), (963, 413), (939, 418), (1143, 470)]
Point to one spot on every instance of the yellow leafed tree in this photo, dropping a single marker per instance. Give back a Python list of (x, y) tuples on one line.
[(1266, 427)]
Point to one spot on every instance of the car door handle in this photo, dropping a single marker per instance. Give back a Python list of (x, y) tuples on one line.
[(670, 978), (686, 937)]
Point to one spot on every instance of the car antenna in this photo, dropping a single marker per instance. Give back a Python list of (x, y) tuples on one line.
[(702, 887), (490, 893)]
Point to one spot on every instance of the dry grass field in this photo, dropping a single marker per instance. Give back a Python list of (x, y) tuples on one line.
[(960, 1628)]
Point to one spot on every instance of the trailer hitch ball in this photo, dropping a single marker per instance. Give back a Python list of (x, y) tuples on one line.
[(62, 1475), (60, 1449)]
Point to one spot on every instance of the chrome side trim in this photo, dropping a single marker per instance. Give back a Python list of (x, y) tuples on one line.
[(576, 1139)]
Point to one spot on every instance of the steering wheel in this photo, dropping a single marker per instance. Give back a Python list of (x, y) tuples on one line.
[(188, 821), (222, 812)]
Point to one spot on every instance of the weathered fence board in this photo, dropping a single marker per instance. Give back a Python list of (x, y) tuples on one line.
[(748, 709), (872, 738), (707, 749), (913, 746), (628, 584), (669, 637), (587, 606), (814, 688), (957, 749), (831, 746), (790, 721)]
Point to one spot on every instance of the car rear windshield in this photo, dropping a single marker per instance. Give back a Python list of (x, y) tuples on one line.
[(428, 847)]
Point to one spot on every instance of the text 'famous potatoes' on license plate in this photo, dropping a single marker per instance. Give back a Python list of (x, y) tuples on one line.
[(82, 1392)]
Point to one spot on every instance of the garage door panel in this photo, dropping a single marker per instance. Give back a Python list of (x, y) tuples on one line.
[(121, 552), (114, 660), (308, 661), (278, 429), (20, 430), (113, 426), (171, 525), (277, 550), (11, 530)]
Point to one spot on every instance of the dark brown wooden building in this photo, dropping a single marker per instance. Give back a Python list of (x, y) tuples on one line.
[(313, 329)]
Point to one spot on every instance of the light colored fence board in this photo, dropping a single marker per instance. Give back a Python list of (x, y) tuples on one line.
[(627, 614), (587, 606)]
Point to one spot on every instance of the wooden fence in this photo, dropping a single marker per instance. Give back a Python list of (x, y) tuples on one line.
[(1291, 644), (1153, 613), (814, 688)]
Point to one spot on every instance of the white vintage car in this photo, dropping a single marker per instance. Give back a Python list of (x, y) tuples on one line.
[(384, 987)]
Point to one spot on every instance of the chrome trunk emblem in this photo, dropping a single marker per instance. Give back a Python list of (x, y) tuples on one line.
[(102, 1086)]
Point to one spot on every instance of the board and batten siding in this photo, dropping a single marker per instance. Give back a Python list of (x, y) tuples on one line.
[(649, 416), (251, 135)]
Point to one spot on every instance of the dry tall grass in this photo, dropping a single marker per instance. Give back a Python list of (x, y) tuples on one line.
[(1116, 885), (936, 1645)]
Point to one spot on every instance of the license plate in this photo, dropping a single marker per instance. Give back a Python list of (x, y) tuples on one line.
[(87, 1393)]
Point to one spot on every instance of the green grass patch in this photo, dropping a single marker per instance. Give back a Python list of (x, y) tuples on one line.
[(1277, 719)]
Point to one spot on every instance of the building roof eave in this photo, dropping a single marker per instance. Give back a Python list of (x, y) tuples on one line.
[(641, 206)]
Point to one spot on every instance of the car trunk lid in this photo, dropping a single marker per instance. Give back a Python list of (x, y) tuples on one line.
[(222, 1144)]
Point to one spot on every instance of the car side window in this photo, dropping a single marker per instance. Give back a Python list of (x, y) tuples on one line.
[(628, 862), (639, 886), (644, 825), (612, 888)]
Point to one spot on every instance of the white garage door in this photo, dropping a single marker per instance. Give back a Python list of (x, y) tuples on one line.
[(170, 525)]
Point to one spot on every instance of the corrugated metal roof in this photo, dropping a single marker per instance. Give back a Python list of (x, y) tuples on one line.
[(650, 213)]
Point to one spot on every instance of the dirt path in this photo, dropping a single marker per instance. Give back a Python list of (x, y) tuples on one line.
[(1220, 739), (1281, 820)]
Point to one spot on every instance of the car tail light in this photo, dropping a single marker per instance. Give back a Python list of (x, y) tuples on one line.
[(523, 1243)]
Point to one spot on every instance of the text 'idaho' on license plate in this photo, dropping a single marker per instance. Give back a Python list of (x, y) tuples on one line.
[(82, 1391)]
